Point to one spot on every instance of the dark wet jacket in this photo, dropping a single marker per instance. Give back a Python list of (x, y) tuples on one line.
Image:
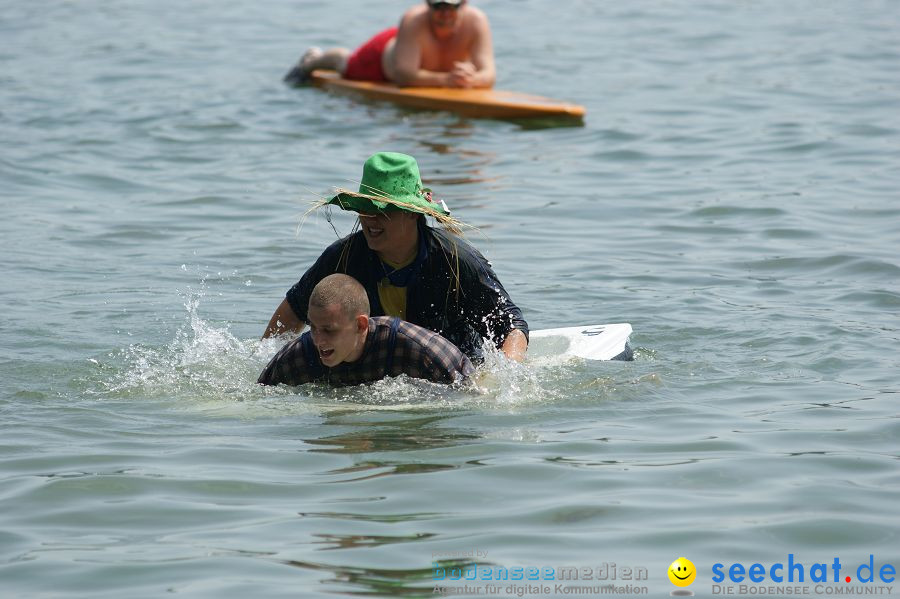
[(465, 310)]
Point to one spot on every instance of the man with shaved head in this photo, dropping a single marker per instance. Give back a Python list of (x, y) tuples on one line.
[(346, 346)]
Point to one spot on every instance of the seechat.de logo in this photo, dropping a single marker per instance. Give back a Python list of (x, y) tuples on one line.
[(796, 571)]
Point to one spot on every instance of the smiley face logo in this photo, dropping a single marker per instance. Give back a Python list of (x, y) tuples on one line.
[(682, 572)]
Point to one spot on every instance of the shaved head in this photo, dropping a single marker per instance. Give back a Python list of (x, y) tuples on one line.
[(341, 290)]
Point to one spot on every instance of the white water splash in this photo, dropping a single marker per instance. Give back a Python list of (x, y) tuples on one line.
[(206, 362), (202, 360)]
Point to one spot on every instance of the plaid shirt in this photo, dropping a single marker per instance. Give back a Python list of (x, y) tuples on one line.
[(417, 352)]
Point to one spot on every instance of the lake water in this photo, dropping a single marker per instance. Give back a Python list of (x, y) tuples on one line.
[(733, 194)]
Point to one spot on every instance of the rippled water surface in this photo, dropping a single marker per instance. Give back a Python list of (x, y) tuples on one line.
[(732, 194)]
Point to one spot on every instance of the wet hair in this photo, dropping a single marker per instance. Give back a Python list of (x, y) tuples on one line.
[(342, 290)]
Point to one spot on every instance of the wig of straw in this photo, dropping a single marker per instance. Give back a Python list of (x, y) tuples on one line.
[(445, 220), (449, 223)]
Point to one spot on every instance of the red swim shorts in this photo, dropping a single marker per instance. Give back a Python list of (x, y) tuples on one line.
[(365, 63)]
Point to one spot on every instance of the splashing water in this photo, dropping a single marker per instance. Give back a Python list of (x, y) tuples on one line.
[(505, 382), (207, 363), (201, 361)]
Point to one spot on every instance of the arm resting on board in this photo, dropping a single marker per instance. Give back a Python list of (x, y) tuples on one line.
[(515, 345)]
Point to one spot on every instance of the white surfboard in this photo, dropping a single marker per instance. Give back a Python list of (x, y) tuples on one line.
[(591, 342)]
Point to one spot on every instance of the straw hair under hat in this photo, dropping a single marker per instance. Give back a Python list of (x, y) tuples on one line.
[(391, 182)]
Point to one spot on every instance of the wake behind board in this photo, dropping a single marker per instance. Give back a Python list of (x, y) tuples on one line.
[(591, 342), (479, 103)]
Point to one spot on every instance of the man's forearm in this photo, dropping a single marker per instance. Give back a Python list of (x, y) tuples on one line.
[(515, 345), (423, 78), (484, 78), (284, 320)]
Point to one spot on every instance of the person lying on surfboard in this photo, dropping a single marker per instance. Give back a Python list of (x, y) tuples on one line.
[(345, 346), (429, 276), (443, 43)]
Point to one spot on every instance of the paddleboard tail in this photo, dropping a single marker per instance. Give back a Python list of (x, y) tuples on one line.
[(591, 342)]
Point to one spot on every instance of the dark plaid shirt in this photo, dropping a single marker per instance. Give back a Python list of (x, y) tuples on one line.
[(417, 352)]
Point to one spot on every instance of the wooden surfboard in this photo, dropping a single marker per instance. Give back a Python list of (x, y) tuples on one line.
[(480, 103)]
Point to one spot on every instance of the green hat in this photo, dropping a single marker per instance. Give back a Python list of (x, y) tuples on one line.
[(390, 182)]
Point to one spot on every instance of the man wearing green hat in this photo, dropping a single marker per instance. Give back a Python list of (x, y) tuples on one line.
[(425, 275)]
